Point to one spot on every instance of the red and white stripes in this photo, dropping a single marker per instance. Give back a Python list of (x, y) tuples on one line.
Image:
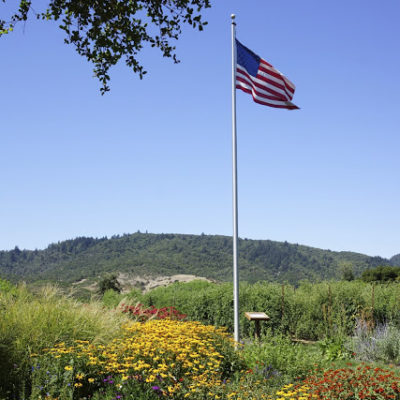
[(268, 88)]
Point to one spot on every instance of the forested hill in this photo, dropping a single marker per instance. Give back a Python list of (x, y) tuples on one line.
[(395, 260), (167, 254)]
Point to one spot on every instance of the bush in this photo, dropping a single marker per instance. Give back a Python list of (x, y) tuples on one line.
[(7, 287), (141, 314), (381, 274), (381, 344), (363, 382), (109, 282), (279, 357), (350, 383), (111, 298), (311, 311)]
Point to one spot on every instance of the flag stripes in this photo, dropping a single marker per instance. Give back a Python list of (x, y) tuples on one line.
[(260, 79)]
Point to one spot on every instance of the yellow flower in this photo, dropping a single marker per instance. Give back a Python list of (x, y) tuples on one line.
[(151, 378), (158, 347)]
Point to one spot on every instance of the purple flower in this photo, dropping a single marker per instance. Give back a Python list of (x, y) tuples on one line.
[(155, 387)]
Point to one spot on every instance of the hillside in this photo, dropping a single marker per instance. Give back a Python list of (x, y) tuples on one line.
[(209, 256), (395, 260)]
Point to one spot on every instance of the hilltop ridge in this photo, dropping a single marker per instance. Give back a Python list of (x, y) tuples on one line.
[(208, 256)]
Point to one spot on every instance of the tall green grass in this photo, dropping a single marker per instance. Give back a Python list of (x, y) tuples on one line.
[(310, 311), (30, 322)]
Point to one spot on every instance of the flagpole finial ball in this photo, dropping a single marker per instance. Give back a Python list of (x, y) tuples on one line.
[(233, 16)]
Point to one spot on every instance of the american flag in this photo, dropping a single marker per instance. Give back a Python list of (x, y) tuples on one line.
[(260, 79)]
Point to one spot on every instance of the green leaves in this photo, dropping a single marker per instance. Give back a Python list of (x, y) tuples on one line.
[(5, 31), (381, 274), (106, 32)]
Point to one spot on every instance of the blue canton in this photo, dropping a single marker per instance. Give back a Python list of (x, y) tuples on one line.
[(247, 59)]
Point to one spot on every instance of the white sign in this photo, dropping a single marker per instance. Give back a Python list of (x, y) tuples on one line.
[(256, 315)]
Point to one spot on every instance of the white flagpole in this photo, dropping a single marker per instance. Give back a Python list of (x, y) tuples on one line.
[(235, 191)]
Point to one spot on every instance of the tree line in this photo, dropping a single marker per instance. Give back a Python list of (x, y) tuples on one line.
[(209, 256)]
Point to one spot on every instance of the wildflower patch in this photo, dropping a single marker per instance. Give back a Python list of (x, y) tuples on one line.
[(351, 383), (159, 358)]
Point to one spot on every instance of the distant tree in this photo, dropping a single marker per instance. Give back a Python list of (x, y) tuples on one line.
[(348, 275), (14, 254), (109, 282), (347, 271), (105, 31), (381, 274)]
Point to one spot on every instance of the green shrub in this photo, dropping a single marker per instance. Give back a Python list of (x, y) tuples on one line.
[(381, 274), (381, 344), (311, 311), (109, 282), (279, 357), (7, 287), (111, 298)]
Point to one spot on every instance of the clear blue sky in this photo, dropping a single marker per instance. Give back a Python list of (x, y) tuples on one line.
[(155, 154)]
